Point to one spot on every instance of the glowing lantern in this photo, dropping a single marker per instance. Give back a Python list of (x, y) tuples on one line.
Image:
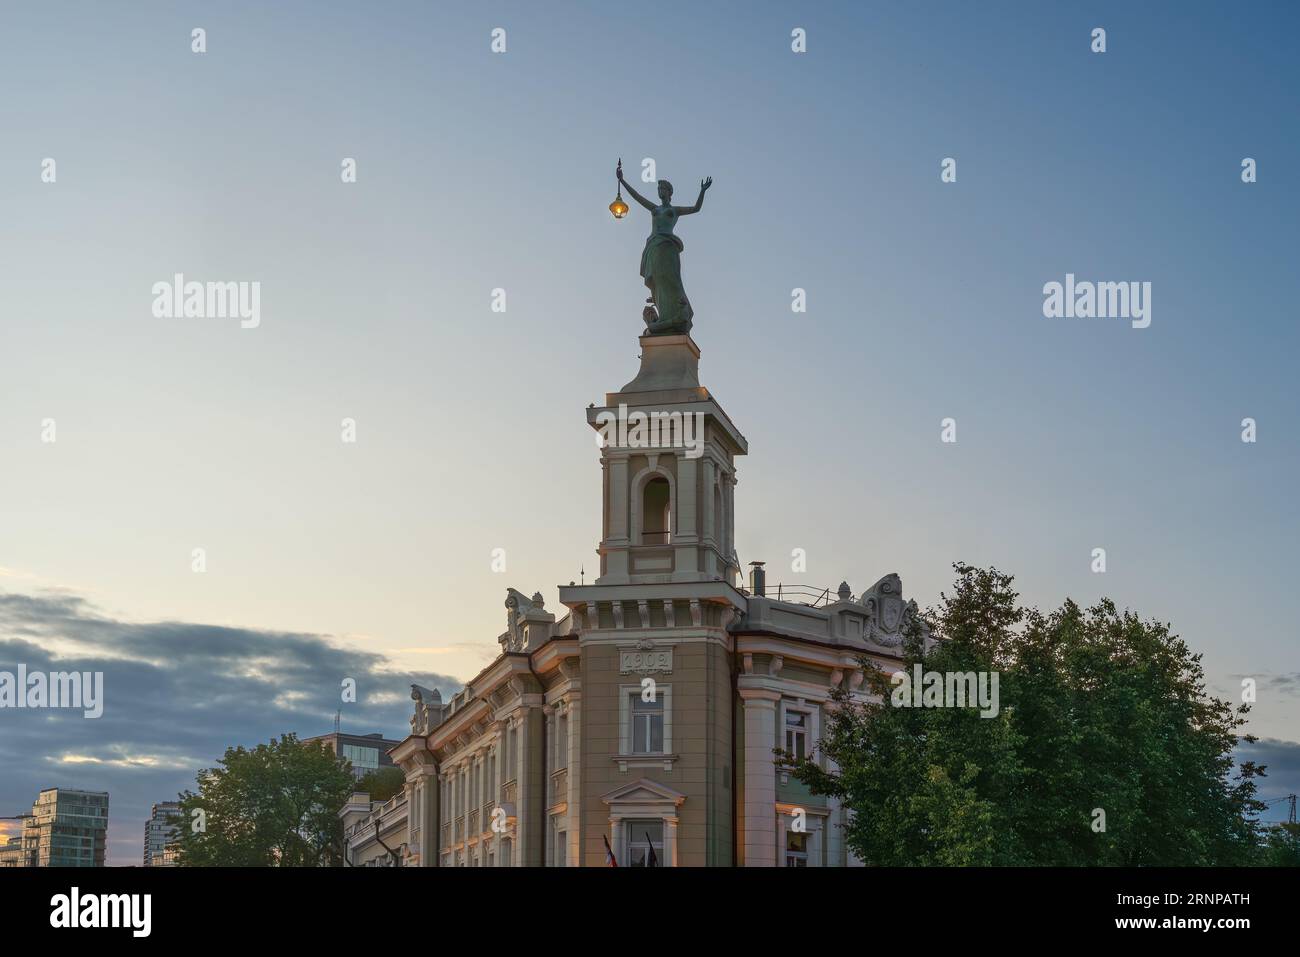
[(618, 207)]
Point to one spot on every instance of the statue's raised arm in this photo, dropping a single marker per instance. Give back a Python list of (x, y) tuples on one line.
[(630, 191), (699, 203)]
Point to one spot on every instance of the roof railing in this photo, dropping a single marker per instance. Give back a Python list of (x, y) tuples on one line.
[(797, 594)]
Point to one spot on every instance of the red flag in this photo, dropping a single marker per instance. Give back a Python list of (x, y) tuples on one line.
[(610, 859)]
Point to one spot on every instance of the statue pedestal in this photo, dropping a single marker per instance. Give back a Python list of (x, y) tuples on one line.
[(668, 364)]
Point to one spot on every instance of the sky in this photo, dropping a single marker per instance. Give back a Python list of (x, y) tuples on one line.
[(479, 171)]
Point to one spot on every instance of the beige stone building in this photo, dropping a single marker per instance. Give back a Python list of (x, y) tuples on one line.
[(645, 715), (375, 832)]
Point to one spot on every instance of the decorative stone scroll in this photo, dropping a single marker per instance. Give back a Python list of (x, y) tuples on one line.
[(887, 613)]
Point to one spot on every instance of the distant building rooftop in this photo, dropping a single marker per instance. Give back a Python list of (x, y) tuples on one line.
[(367, 752)]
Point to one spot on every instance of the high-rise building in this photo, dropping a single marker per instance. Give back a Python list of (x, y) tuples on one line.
[(159, 831), (11, 851), (367, 752), (67, 828)]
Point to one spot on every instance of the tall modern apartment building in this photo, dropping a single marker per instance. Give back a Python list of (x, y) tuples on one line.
[(67, 828), (11, 851), (159, 831)]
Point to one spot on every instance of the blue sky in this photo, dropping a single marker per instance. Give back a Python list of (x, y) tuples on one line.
[(479, 171)]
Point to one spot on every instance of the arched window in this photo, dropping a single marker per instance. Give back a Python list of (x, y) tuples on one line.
[(656, 512)]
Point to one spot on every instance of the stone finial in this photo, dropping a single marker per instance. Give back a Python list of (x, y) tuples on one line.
[(428, 709), (845, 592), (517, 603)]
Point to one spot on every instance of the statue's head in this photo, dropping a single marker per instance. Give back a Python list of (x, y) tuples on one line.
[(665, 192)]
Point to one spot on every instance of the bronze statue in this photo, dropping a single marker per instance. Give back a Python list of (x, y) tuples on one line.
[(668, 312)]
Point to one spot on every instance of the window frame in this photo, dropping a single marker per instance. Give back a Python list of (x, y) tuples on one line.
[(627, 729), (794, 855), (812, 727), (631, 841)]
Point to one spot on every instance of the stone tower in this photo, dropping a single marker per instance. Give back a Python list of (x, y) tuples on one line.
[(656, 684), (669, 473)]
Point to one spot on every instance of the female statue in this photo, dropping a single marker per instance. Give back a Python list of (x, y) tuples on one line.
[(669, 311)]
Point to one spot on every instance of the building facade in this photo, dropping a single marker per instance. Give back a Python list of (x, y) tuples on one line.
[(643, 720), (367, 752), (67, 828), (159, 833), (375, 832), (11, 851)]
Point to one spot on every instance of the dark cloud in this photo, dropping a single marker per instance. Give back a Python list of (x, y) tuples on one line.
[(1282, 776), (1284, 683), (176, 695), (1289, 683)]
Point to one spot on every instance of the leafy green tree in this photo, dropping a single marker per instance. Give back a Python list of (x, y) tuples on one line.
[(381, 783), (1281, 846), (275, 805), (1105, 749)]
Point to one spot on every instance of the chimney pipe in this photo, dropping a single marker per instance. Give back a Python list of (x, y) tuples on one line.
[(757, 579)]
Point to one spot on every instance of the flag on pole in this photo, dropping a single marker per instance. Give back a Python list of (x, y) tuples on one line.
[(610, 859), (651, 860)]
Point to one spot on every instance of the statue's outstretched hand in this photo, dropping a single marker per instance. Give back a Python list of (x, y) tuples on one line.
[(706, 183)]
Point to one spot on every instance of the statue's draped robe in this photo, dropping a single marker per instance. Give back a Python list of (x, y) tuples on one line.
[(661, 268)]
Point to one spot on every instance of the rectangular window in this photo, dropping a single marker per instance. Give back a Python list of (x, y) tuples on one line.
[(363, 759), (647, 725), (796, 849), (796, 732), (644, 841)]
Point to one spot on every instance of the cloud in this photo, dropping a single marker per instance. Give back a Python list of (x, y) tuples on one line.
[(486, 650), (176, 695), (1290, 684), (1283, 683), (1282, 774)]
